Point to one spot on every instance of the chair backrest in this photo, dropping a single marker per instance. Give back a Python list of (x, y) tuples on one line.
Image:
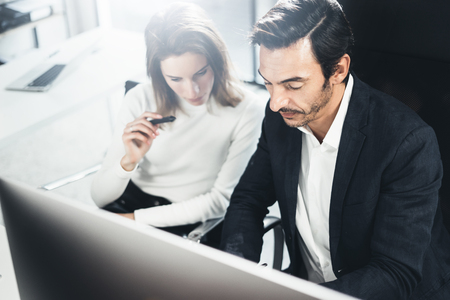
[(403, 49), (129, 84)]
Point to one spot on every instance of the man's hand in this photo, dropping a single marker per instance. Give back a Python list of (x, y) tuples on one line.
[(128, 215)]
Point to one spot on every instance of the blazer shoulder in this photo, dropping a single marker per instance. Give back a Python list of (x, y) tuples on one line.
[(387, 112)]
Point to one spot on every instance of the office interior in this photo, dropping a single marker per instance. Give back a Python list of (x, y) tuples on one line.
[(47, 136)]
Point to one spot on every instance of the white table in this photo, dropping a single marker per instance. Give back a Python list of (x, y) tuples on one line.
[(119, 56)]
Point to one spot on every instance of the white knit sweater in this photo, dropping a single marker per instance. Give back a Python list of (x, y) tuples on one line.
[(195, 162)]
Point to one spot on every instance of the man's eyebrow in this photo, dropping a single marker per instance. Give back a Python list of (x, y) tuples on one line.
[(293, 79), (202, 69)]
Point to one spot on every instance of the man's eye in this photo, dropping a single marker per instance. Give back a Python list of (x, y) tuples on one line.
[(294, 88)]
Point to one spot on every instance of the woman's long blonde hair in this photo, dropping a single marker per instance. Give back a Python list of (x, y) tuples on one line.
[(181, 28)]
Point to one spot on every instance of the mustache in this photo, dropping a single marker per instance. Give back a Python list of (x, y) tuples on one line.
[(288, 110)]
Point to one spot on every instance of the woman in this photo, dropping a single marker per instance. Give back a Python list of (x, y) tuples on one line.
[(182, 172)]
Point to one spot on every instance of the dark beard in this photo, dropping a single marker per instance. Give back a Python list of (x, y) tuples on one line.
[(317, 106)]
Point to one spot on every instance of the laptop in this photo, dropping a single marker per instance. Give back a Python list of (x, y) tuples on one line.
[(47, 73), (62, 249)]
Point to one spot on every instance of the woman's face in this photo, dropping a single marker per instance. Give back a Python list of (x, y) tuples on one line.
[(190, 76)]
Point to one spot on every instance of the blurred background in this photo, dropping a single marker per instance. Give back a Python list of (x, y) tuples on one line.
[(233, 19)]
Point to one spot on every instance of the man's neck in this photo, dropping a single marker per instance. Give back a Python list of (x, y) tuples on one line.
[(321, 126)]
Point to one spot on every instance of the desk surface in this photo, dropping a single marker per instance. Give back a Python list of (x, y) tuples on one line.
[(119, 56)]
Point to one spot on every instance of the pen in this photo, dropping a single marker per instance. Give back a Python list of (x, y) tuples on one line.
[(163, 120)]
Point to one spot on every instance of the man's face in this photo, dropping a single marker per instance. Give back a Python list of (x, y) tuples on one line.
[(297, 87)]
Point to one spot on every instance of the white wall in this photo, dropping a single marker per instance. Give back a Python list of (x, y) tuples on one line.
[(70, 18), (81, 15)]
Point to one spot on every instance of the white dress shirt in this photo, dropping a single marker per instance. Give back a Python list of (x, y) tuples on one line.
[(318, 162)]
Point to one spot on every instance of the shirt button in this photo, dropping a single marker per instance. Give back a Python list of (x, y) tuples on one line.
[(326, 265)]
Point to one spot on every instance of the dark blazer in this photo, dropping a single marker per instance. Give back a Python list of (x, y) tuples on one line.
[(387, 240)]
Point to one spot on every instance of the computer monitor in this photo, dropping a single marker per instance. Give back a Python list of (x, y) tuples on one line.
[(62, 249)]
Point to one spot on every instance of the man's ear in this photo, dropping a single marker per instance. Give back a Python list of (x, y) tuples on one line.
[(342, 69)]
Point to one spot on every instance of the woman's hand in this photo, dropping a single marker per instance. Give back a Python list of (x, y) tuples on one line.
[(137, 138)]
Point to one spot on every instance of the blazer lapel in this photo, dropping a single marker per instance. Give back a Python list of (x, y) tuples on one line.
[(352, 140)]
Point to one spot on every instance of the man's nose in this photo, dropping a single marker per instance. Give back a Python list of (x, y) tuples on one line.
[(278, 100)]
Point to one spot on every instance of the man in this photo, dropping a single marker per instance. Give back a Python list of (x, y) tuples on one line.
[(355, 172)]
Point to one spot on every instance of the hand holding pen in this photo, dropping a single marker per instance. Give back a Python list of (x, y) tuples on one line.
[(138, 137)]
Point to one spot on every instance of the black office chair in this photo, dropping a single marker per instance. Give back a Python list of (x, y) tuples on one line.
[(403, 49), (200, 233)]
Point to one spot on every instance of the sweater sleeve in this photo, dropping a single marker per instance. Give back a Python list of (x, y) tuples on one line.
[(111, 180), (214, 203)]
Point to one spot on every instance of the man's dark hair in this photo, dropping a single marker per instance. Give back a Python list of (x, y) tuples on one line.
[(322, 21)]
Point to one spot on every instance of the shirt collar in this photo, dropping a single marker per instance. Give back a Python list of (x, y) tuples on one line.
[(333, 136)]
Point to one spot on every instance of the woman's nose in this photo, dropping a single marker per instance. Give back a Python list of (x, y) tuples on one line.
[(192, 90)]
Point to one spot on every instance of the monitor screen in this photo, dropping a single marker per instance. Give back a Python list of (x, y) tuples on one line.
[(62, 249)]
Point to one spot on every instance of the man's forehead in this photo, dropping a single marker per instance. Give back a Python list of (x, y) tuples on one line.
[(296, 60)]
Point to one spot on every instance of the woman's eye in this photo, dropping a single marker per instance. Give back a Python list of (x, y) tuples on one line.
[(175, 79), (201, 73)]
